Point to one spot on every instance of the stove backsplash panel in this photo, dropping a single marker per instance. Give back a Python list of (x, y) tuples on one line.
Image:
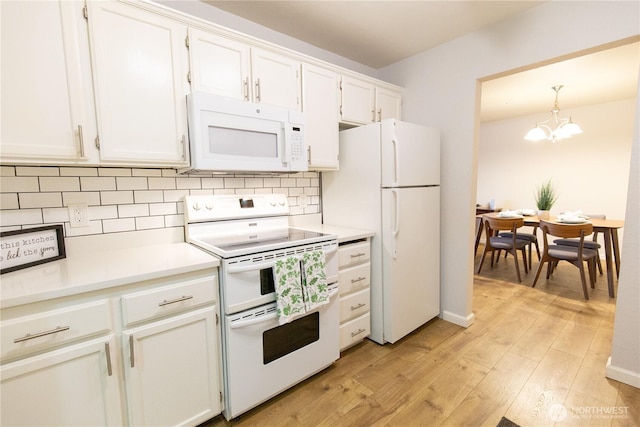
[(130, 199)]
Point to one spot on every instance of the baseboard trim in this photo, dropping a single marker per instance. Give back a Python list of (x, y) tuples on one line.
[(465, 322), (622, 375)]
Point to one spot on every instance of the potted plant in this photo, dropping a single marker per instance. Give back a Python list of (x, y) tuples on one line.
[(545, 198)]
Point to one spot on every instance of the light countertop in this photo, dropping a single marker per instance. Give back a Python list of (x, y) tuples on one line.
[(98, 269), (345, 234)]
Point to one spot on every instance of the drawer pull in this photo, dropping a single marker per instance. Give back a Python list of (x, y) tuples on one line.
[(359, 279), (358, 332), (173, 301), (41, 334), (108, 352), (357, 255), (358, 306)]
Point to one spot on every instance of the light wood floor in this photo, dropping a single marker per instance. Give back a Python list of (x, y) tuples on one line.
[(534, 355)]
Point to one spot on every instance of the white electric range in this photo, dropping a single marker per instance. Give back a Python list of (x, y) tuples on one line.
[(261, 357)]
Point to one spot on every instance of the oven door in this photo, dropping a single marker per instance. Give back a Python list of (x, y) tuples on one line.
[(247, 281), (263, 358)]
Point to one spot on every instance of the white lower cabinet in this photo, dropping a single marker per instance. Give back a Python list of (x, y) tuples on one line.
[(77, 385), (143, 354), (171, 370), (57, 372), (354, 278)]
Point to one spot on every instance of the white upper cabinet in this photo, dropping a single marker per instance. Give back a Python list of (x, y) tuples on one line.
[(276, 79), (320, 105), (140, 71), (226, 67), (219, 65), (47, 104), (364, 102), (388, 104), (357, 101)]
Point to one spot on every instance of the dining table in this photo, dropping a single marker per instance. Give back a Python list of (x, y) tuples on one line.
[(608, 227)]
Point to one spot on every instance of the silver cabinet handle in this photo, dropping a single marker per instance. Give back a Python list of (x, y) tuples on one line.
[(173, 301), (245, 88), (184, 147), (41, 334), (380, 115), (258, 90), (358, 332), (359, 279), (131, 355), (357, 255), (81, 140), (357, 306), (108, 352)]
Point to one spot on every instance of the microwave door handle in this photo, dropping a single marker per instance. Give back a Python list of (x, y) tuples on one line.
[(286, 156)]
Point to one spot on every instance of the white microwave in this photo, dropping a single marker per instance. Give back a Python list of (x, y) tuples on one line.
[(230, 135)]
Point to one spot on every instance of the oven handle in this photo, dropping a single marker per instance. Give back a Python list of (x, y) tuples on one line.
[(262, 265), (254, 321), (268, 317)]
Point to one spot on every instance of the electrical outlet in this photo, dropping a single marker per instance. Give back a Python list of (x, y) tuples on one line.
[(78, 216)]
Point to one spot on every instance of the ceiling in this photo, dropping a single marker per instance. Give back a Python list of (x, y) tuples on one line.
[(362, 31)]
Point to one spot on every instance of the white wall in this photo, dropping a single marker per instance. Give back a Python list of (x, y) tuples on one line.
[(624, 363), (441, 89), (590, 171)]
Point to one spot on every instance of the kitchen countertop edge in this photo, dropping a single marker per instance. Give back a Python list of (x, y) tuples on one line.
[(100, 270)]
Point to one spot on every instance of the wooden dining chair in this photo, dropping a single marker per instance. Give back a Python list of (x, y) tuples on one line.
[(589, 244), (576, 255), (495, 243), (530, 236)]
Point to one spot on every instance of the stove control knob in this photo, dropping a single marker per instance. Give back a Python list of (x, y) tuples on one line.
[(281, 203), (209, 206), (196, 206), (272, 203)]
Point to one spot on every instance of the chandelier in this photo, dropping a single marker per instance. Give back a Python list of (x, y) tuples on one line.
[(555, 127)]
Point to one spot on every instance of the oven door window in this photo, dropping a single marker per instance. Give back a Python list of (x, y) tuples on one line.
[(267, 285), (287, 338)]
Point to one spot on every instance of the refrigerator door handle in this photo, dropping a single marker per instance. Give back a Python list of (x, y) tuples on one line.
[(396, 161), (396, 226)]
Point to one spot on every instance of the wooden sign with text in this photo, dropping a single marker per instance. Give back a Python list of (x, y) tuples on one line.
[(26, 248)]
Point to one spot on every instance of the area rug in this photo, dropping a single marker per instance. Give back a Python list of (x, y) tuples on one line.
[(504, 422)]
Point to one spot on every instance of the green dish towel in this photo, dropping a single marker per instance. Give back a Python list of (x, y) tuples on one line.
[(301, 284), (314, 280), (288, 284)]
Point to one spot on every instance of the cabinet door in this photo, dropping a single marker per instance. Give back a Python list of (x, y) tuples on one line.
[(388, 104), (140, 62), (172, 370), (219, 65), (357, 104), (276, 79), (45, 76), (320, 105), (76, 385)]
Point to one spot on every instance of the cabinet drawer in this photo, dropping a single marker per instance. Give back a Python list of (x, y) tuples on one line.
[(353, 254), (354, 331), (159, 302), (38, 332), (354, 278), (354, 305)]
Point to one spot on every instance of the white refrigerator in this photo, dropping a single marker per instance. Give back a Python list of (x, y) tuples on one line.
[(389, 183)]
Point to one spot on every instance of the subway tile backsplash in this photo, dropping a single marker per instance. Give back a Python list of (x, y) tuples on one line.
[(130, 199)]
